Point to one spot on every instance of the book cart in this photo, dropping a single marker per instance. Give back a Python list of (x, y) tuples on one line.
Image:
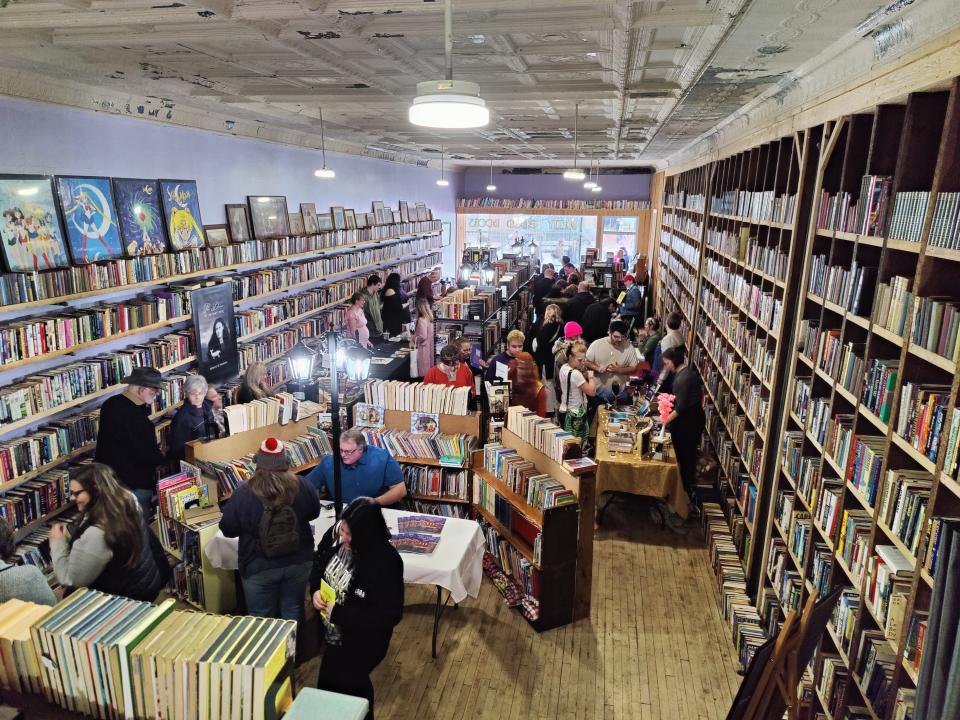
[(862, 458), (561, 570)]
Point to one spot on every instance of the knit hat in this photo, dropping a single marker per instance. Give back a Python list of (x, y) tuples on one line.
[(628, 278), (572, 330), (272, 455)]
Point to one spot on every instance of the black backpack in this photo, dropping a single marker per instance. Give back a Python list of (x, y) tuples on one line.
[(279, 531)]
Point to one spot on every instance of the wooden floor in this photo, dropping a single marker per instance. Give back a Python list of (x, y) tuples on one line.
[(655, 645)]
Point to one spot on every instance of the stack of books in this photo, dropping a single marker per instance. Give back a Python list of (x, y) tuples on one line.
[(545, 435), (945, 230), (279, 409), (398, 395)]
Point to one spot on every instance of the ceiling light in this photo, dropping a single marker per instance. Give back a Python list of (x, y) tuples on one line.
[(491, 187), (590, 184), (323, 172), (442, 182), (596, 188), (575, 173), (449, 103)]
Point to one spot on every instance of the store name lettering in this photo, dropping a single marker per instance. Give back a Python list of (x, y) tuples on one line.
[(523, 223)]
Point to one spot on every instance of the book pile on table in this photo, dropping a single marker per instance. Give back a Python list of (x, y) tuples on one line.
[(418, 534)]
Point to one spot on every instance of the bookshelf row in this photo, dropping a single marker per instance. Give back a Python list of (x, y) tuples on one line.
[(861, 458)]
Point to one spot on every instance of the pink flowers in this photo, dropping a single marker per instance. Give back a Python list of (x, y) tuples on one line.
[(665, 405)]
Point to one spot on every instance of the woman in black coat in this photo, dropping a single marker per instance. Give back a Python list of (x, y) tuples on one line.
[(394, 314), (356, 559), (547, 335)]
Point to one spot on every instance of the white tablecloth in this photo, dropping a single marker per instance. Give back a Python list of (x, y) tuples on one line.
[(455, 565)]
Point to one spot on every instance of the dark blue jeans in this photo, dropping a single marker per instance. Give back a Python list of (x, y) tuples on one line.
[(277, 592)]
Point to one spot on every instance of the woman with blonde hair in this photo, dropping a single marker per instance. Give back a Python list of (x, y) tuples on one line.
[(254, 386), (109, 547), (271, 515), (423, 337)]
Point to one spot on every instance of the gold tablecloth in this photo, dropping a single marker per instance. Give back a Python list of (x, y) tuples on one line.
[(631, 473)]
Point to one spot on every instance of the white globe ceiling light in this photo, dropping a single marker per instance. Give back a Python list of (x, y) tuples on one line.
[(491, 187), (575, 173), (323, 172), (448, 104)]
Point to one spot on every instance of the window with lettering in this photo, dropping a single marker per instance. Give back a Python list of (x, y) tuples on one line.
[(554, 235)]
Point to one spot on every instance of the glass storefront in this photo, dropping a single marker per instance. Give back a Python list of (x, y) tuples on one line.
[(555, 235)]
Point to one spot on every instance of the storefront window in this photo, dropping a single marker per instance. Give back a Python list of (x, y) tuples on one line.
[(555, 235), (619, 232)]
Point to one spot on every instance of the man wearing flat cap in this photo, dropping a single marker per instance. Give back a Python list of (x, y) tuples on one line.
[(127, 439)]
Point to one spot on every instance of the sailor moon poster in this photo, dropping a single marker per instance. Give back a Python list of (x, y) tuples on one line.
[(30, 232), (181, 208), (89, 218)]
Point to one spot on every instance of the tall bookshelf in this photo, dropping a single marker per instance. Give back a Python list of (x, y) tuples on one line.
[(848, 372), (302, 282)]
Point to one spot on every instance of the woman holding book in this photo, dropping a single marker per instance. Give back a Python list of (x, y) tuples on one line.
[(423, 337), (356, 321), (271, 515), (109, 547), (575, 388), (254, 385), (687, 419), (194, 420), (357, 585)]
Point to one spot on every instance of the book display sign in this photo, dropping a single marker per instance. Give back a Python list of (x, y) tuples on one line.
[(214, 326)]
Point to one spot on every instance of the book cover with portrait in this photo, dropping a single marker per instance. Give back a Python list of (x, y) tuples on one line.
[(216, 331)]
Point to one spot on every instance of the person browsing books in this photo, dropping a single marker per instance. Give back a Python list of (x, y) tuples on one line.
[(22, 582), (449, 370), (357, 587), (576, 385), (499, 364), (365, 472), (254, 385), (614, 359), (127, 439), (271, 515), (373, 306), (687, 420), (193, 420), (526, 388), (109, 548), (356, 320)]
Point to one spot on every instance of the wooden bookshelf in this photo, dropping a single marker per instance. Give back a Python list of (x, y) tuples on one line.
[(917, 145), (245, 443)]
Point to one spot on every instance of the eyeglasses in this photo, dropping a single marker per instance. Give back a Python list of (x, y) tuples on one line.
[(352, 451)]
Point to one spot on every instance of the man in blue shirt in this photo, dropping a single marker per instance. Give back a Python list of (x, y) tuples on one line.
[(365, 472)]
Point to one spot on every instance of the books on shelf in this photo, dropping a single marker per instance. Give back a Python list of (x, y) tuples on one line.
[(521, 476), (398, 395), (916, 638), (936, 326), (902, 505), (893, 305), (909, 212), (873, 203), (545, 435), (453, 449), (854, 537), (520, 203), (435, 482), (888, 585), (945, 229), (844, 617), (832, 683), (933, 537), (921, 415), (867, 461), (278, 409), (875, 664), (878, 389)]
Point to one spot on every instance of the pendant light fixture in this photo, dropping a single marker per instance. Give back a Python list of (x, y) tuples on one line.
[(590, 184), (575, 173), (491, 187), (442, 182), (448, 103), (323, 172)]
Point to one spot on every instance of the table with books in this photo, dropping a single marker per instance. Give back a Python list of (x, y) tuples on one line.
[(453, 561), (627, 471)]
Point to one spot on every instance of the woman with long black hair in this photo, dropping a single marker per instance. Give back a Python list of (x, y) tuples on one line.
[(357, 562), (395, 313), (687, 420)]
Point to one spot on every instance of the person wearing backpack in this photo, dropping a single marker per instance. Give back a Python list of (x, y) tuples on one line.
[(271, 515)]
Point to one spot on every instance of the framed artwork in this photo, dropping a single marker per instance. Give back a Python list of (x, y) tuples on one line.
[(238, 220), (30, 228), (217, 235), (378, 210), (395, 216), (215, 329), (351, 219), (371, 219), (309, 213), (89, 218), (404, 211), (324, 222), (339, 218), (361, 220), (268, 216), (421, 211), (181, 209), (140, 216), (295, 220)]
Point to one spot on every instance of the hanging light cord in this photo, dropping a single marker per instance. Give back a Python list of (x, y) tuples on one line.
[(323, 142), (576, 128)]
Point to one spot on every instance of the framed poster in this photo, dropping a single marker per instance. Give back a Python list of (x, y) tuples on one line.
[(361, 220), (268, 216), (421, 211), (371, 219), (295, 221), (181, 209), (140, 216), (351, 219), (378, 210), (324, 222), (215, 331), (217, 235), (89, 218), (238, 220), (339, 218), (309, 213), (404, 211), (31, 234)]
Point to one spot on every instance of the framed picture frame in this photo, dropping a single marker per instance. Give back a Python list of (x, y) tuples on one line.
[(339, 218), (421, 211), (268, 216), (238, 221), (31, 229), (217, 235), (351, 219), (361, 220), (140, 216), (404, 211), (89, 218), (309, 213), (295, 221), (324, 222), (377, 207), (214, 325), (372, 219), (181, 210)]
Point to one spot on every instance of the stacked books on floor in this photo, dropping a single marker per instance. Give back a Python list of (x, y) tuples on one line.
[(745, 622), (397, 395), (452, 449), (142, 660), (278, 409), (545, 435)]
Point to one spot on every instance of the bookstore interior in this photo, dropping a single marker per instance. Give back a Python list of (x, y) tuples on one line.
[(612, 375)]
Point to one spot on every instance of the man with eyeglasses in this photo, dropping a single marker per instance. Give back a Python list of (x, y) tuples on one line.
[(614, 359), (365, 472), (127, 438)]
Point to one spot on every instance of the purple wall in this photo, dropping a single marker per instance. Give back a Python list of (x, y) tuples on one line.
[(56, 140), (553, 186)]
